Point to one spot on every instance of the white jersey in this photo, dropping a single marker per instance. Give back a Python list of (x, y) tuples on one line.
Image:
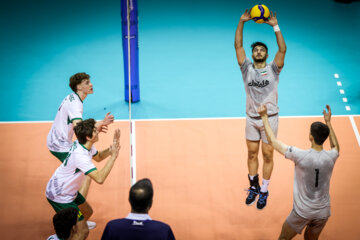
[(53, 237), (313, 171), (261, 86), (60, 136), (67, 179)]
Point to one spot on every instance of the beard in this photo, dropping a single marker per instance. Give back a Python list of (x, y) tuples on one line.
[(259, 60)]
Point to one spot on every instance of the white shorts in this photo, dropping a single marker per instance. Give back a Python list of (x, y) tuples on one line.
[(298, 223), (255, 129)]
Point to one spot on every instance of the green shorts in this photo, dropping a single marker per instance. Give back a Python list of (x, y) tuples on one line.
[(60, 155), (74, 204)]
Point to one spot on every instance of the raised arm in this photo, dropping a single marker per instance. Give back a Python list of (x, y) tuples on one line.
[(100, 176), (240, 51), (278, 145), (280, 55), (333, 140)]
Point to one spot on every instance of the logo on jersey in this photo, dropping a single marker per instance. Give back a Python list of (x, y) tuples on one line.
[(264, 73), (135, 223), (259, 84)]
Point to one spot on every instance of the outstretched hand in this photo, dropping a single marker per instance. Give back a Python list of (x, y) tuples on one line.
[(246, 16), (272, 21), (327, 115), (262, 110), (108, 119), (117, 134), (115, 147)]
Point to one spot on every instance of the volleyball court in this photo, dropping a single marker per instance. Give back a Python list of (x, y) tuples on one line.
[(199, 172)]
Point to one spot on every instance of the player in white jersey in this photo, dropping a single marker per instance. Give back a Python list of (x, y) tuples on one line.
[(70, 112), (261, 84), (313, 169), (64, 224), (62, 190), (60, 137)]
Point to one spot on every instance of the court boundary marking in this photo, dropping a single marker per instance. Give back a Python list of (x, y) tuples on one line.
[(182, 119)]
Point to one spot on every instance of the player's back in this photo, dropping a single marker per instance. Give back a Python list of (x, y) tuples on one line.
[(313, 170), (60, 136), (128, 229)]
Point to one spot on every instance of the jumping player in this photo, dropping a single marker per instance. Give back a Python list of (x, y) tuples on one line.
[(261, 86)]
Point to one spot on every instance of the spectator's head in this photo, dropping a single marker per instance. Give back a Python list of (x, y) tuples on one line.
[(259, 51), (141, 196), (65, 223), (319, 132), (81, 81), (86, 131)]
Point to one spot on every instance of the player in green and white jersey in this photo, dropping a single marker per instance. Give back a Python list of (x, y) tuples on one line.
[(70, 112), (62, 190)]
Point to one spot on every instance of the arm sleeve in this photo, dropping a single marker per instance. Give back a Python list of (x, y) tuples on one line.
[(75, 110), (245, 66), (275, 68), (93, 151), (293, 153), (84, 164), (334, 154), (171, 235)]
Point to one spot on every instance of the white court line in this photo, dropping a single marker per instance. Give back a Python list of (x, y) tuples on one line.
[(355, 129), (182, 119), (133, 153)]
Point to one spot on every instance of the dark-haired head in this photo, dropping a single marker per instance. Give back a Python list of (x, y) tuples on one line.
[(255, 44), (319, 131), (259, 52), (141, 196), (85, 129), (64, 221), (76, 79)]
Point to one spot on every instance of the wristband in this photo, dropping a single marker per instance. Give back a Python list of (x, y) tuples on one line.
[(276, 28)]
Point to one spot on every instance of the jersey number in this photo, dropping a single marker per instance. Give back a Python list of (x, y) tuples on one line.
[(317, 177)]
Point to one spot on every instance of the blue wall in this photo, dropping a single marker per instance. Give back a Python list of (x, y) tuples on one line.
[(188, 66)]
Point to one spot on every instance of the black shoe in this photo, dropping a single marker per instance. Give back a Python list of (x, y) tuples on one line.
[(252, 194), (262, 200)]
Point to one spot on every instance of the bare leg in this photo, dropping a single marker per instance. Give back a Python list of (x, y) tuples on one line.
[(268, 156), (253, 161), (287, 232), (86, 210), (82, 230), (84, 189), (312, 232)]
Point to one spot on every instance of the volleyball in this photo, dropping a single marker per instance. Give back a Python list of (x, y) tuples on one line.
[(260, 13)]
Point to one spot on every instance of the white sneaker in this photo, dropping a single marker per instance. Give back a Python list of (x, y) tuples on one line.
[(91, 224)]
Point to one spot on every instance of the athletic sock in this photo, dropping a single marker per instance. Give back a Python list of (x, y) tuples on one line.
[(252, 179), (264, 186)]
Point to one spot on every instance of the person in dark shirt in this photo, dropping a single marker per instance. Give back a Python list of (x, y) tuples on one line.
[(138, 225)]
